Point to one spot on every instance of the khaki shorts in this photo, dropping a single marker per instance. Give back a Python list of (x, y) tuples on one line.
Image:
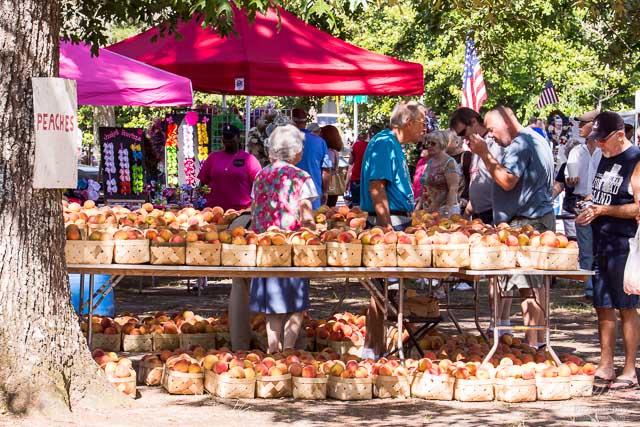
[(542, 224)]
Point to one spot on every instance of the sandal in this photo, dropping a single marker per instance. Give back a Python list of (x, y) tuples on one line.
[(599, 381), (626, 384), (633, 396)]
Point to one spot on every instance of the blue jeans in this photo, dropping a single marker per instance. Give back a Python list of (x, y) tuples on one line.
[(354, 188), (584, 235)]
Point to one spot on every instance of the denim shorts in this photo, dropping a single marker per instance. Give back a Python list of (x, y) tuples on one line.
[(608, 291)]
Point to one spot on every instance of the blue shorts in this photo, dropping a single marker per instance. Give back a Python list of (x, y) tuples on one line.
[(608, 289)]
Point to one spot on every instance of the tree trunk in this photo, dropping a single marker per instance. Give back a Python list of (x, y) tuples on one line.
[(45, 364)]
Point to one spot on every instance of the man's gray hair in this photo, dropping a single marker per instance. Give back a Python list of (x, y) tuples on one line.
[(285, 143), (404, 112)]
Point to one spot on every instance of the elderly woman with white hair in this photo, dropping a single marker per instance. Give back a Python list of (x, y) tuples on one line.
[(282, 196), (441, 178)]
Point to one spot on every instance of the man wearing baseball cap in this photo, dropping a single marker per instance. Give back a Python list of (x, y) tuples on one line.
[(315, 157), (612, 218), (582, 161)]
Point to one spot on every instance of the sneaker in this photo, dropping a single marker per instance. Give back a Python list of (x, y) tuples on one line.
[(463, 286)]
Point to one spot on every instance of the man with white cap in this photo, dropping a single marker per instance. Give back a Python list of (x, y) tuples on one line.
[(583, 162)]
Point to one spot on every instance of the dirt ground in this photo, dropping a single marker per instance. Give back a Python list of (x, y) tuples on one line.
[(573, 330)]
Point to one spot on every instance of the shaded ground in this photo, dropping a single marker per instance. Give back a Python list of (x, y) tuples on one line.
[(573, 324)]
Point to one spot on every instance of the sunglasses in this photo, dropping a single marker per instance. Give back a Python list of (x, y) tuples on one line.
[(430, 144), (606, 138), (462, 132)]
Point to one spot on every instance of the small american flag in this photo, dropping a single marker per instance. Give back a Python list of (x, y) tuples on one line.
[(548, 95), (473, 90)]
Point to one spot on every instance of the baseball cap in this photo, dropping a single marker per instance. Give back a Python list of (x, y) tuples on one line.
[(230, 131), (589, 116), (313, 127), (605, 123), (298, 115)]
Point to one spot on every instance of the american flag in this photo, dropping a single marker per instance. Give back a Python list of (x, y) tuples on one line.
[(473, 89), (548, 95)]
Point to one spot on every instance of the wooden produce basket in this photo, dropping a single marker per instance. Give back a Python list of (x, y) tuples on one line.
[(432, 387), (223, 339), (555, 388), (321, 343), (168, 253), (205, 340), (350, 388), (229, 388), (238, 255), (527, 257), (473, 390), (557, 258), (514, 390), (125, 385), (183, 383), (413, 255), (423, 306), (106, 342), (451, 256), (386, 387), (201, 253), (309, 388), (274, 387), (89, 251), (166, 342), (137, 343), (309, 255), (149, 374), (344, 254), (273, 256), (510, 256), (382, 255), (486, 258), (131, 251), (582, 385), (345, 347)]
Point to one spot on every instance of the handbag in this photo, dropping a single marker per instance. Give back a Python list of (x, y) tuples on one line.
[(632, 267), (338, 184)]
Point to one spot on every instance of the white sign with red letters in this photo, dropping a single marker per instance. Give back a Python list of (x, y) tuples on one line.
[(55, 116)]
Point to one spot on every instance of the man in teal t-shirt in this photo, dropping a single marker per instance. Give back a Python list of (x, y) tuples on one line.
[(386, 193)]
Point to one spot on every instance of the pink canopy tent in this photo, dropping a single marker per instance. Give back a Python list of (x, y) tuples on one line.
[(295, 60), (113, 79)]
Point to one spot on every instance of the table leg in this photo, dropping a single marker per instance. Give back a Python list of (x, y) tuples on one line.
[(476, 303), (81, 304), (547, 318), (338, 305), (454, 319), (493, 281), (90, 328), (400, 308)]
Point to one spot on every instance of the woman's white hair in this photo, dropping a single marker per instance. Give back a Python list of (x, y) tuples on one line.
[(440, 137), (285, 143), (404, 112)]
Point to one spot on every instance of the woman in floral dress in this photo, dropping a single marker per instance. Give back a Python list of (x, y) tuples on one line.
[(282, 196), (441, 177)]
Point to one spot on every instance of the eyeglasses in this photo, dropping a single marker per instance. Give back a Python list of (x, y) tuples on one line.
[(462, 132), (430, 144), (605, 139)]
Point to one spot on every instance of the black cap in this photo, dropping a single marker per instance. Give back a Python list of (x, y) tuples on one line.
[(606, 123), (230, 131)]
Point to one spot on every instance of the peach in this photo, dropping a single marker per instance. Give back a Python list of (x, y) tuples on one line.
[(390, 238), (564, 370), (309, 371), (588, 369), (362, 372), (276, 371), (220, 367), (295, 369), (237, 372), (195, 368), (249, 373), (261, 369)]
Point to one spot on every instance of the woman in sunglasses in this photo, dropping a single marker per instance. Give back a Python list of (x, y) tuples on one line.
[(612, 217), (441, 178)]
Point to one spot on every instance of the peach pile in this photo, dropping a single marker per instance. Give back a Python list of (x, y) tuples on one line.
[(183, 363), (101, 325), (333, 235), (344, 327), (304, 237), (238, 236), (377, 236), (112, 365), (341, 218)]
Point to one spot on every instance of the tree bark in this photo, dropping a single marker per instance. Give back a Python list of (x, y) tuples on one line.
[(45, 365)]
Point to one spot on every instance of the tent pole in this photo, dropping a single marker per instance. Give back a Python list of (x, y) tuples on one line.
[(355, 121), (247, 122), (224, 101)]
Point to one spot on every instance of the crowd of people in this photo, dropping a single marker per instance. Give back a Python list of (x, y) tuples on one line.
[(490, 167)]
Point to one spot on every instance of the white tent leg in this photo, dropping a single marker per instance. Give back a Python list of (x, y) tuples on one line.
[(355, 122), (247, 122)]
